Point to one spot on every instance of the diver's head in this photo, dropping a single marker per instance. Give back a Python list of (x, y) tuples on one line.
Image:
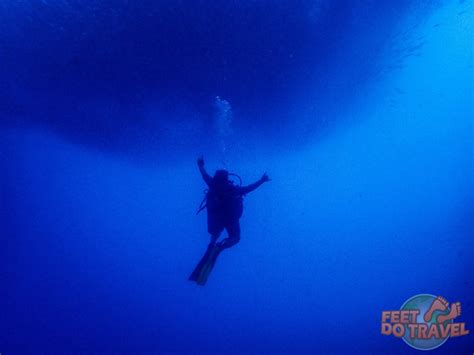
[(221, 177)]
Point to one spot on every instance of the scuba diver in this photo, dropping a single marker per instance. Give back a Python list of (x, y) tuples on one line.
[(224, 204)]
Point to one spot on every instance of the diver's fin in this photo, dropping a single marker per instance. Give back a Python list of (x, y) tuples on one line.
[(197, 270), (208, 266)]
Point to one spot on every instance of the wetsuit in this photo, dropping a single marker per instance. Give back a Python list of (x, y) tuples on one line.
[(224, 208)]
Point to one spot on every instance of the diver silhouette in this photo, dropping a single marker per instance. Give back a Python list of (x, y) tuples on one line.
[(224, 204)]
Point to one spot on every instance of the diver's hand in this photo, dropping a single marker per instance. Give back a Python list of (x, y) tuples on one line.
[(200, 161), (265, 178)]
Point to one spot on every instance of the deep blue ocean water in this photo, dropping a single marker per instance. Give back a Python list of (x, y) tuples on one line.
[(361, 112)]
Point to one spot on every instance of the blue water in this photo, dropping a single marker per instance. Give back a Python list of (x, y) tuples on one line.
[(360, 112)]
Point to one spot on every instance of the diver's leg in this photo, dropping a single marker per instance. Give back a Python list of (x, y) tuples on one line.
[(228, 242), (201, 273), (203, 265), (214, 238), (206, 269), (233, 229), (213, 250), (214, 227)]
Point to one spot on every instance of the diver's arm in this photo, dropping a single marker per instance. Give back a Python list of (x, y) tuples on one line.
[(207, 178), (249, 188)]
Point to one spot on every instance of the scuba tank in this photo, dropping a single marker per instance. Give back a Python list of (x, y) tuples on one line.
[(226, 200)]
